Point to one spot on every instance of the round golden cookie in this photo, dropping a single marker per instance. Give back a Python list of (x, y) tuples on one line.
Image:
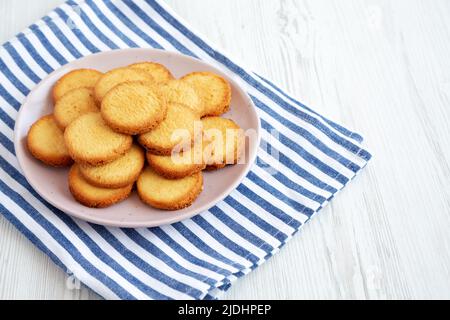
[(90, 141), (117, 76), (177, 91), (227, 141), (45, 141), (94, 197), (160, 73), (117, 174), (81, 78), (214, 91), (74, 104), (167, 194), (176, 130), (182, 164), (133, 107)]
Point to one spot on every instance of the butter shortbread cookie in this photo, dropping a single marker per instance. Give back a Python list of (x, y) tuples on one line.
[(227, 141), (74, 104), (167, 194), (92, 196), (159, 72), (177, 91), (81, 78), (117, 76), (90, 141), (176, 130), (133, 107), (214, 91), (181, 164), (45, 141), (117, 174)]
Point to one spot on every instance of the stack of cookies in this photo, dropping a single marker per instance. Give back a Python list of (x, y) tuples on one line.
[(137, 125)]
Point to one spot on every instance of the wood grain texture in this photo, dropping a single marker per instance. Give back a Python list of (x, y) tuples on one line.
[(380, 67)]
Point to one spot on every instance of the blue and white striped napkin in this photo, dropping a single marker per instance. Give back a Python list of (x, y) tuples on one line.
[(295, 176)]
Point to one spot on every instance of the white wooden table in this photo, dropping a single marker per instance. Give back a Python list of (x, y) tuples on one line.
[(380, 67)]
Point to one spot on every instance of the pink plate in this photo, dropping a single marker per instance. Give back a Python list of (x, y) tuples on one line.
[(51, 183)]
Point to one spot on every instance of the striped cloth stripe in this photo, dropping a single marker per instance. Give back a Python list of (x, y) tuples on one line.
[(298, 171)]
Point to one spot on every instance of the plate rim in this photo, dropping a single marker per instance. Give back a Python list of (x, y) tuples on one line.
[(253, 152)]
